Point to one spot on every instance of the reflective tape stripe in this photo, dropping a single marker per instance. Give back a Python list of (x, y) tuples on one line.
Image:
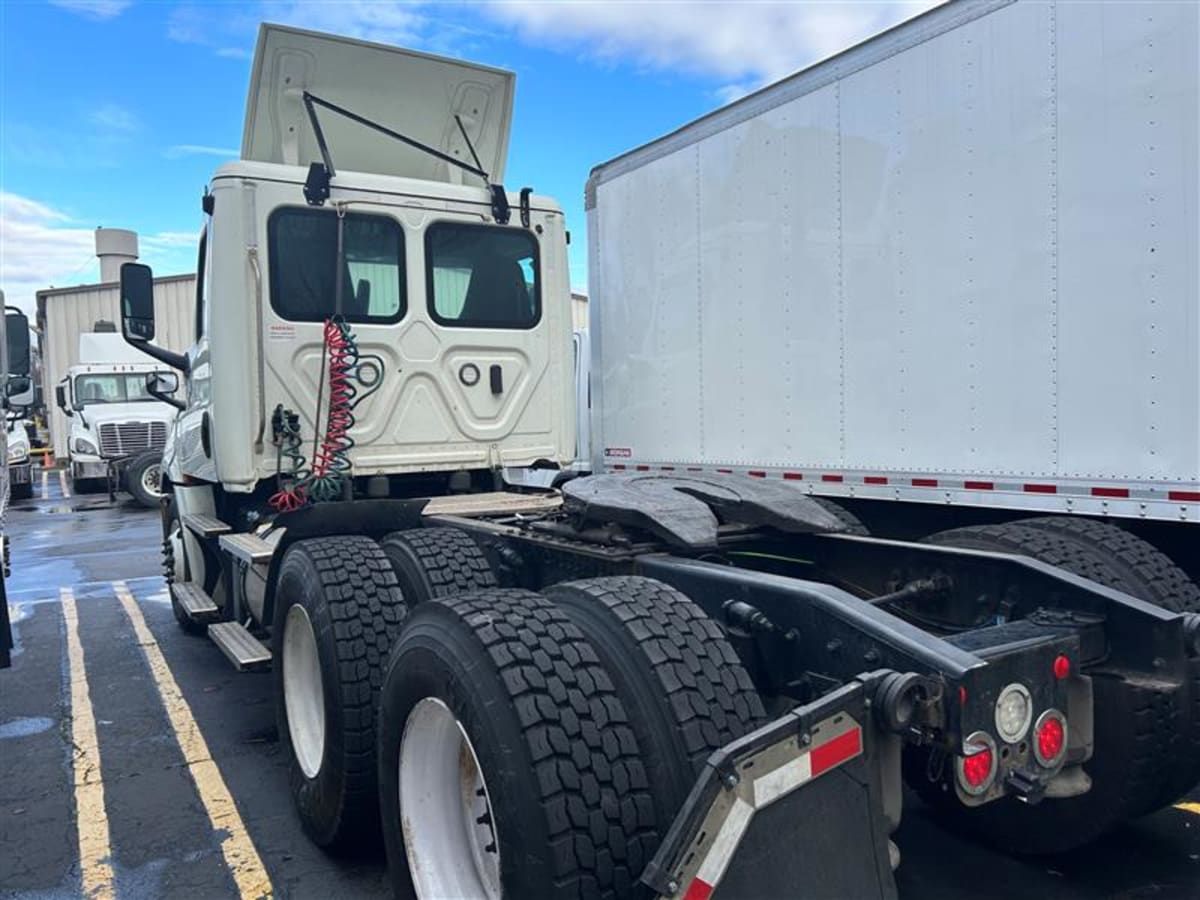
[(1068, 488), (783, 780), (834, 753), (724, 844)]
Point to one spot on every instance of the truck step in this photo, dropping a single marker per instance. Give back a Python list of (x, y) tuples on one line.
[(244, 650), (195, 602), (247, 547), (205, 526)]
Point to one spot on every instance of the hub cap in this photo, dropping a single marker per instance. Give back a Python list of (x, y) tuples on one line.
[(445, 810), (152, 480), (303, 695)]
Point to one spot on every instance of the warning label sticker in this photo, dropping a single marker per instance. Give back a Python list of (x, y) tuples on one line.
[(619, 452), (281, 331)]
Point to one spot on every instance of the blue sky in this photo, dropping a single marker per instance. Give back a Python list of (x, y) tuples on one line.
[(115, 113)]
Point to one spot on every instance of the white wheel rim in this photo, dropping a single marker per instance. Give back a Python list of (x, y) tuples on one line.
[(303, 694), (445, 809), (152, 480)]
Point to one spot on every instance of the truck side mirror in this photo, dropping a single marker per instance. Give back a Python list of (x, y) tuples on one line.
[(137, 315), (16, 350), (161, 385), (60, 397), (137, 302), (17, 385)]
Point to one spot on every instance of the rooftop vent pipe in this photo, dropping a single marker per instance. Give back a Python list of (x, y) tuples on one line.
[(115, 246)]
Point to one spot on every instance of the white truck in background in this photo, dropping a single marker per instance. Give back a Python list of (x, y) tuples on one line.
[(641, 683), (120, 408), (16, 395), (948, 277)]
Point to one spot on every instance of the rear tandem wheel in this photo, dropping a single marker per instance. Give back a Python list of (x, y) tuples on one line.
[(337, 611), (507, 764)]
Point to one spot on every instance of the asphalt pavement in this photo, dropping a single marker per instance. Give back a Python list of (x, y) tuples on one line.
[(136, 763)]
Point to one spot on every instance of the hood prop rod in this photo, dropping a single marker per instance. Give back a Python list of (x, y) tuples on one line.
[(316, 188)]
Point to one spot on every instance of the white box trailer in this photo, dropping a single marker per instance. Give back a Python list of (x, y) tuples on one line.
[(956, 264)]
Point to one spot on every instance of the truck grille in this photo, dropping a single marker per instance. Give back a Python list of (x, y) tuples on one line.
[(126, 438)]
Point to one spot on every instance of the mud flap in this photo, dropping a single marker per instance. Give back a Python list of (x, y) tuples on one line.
[(794, 809)]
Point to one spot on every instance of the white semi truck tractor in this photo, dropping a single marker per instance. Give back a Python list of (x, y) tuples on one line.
[(119, 405), (16, 396), (641, 683)]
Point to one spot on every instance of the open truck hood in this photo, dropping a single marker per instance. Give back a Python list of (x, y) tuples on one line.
[(413, 93)]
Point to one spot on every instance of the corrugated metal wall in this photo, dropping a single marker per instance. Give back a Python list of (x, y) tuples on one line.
[(63, 314)]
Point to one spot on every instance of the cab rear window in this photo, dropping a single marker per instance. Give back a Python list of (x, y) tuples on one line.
[(303, 258), (479, 276)]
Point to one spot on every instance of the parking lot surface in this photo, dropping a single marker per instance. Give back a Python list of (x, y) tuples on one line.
[(136, 763)]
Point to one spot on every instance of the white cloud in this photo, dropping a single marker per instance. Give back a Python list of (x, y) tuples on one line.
[(748, 43), (405, 23), (179, 150), (98, 10), (113, 117), (745, 44), (42, 246), (388, 23), (233, 35)]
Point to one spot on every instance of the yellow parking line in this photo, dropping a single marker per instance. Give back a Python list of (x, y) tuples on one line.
[(241, 857), (45, 484), (91, 820), (62, 482), (1193, 808)]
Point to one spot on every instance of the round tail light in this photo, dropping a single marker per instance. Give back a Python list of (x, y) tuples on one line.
[(1050, 738), (976, 769)]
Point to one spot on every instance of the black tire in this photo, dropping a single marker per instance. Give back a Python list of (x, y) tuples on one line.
[(136, 471), (853, 523), (569, 795), (23, 491), (436, 562), (349, 592), (1146, 572), (1136, 737), (171, 522), (681, 681)]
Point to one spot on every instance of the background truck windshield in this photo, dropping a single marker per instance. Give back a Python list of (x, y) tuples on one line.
[(115, 388)]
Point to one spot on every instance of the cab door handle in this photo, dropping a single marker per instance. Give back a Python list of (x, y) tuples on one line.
[(496, 375)]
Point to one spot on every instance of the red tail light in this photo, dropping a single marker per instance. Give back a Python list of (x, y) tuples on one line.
[(976, 770), (1050, 738)]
